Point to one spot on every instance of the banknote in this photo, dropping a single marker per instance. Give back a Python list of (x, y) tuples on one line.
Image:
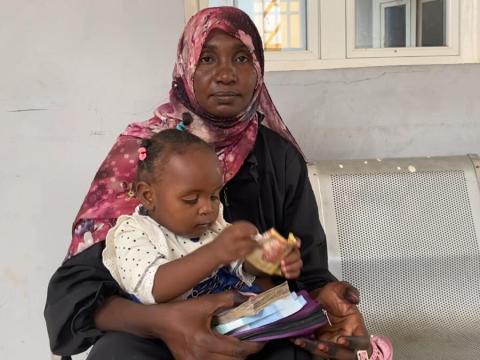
[(254, 304), (273, 248), (283, 308), (279, 309)]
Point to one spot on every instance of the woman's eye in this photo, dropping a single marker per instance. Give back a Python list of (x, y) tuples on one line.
[(190, 200), (242, 59), (206, 59)]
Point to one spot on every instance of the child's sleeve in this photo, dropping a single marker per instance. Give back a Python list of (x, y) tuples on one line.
[(133, 258)]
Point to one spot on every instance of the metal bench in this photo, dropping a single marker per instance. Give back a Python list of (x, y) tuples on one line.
[(406, 232)]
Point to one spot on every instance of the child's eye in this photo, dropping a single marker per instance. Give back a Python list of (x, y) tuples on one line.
[(190, 200), (214, 198)]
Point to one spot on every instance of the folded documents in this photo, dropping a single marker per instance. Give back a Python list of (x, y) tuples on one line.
[(301, 327), (276, 311), (254, 305), (274, 314), (301, 323)]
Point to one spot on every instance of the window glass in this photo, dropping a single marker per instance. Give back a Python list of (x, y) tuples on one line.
[(431, 20), (394, 32), (281, 23), (400, 23)]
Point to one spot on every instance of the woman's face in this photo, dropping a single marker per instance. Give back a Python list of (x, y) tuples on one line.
[(225, 78)]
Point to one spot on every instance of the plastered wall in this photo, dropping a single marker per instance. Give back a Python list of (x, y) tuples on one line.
[(74, 73)]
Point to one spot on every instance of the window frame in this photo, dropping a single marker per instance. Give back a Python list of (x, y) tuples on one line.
[(331, 39), (420, 16), (378, 21), (313, 28), (434, 52)]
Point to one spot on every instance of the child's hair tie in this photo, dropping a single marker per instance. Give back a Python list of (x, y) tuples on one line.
[(142, 153), (186, 121)]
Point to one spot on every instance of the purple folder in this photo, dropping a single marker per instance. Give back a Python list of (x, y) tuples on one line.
[(302, 323)]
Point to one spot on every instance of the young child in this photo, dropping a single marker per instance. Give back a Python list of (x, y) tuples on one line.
[(176, 244)]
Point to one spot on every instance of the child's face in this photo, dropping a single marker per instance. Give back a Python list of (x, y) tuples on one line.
[(185, 198)]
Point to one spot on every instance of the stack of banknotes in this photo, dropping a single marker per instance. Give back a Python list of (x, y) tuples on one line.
[(274, 314)]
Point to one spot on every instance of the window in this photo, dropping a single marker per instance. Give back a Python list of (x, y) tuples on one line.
[(281, 23), (322, 34), (407, 23), (391, 23), (289, 28), (431, 24), (428, 30)]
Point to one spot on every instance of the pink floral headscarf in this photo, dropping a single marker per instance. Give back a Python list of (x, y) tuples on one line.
[(111, 192)]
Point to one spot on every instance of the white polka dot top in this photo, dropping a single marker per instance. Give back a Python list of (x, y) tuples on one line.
[(138, 245)]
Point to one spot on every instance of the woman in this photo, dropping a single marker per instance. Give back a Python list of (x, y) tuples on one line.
[(217, 82)]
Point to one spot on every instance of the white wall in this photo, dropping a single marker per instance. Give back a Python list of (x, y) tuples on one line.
[(73, 73), (382, 112)]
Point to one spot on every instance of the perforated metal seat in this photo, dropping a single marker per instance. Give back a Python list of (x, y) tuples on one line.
[(406, 232)]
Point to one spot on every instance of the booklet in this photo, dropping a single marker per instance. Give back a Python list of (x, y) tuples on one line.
[(278, 310), (302, 323), (274, 314), (254, 304)]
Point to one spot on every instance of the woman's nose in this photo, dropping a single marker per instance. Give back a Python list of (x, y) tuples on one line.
[(225, 73)]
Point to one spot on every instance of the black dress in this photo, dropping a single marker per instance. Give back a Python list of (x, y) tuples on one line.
[(270, 190)]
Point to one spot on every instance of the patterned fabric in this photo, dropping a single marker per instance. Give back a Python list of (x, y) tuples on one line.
[(137, 245), (226, 278), (111, 192)]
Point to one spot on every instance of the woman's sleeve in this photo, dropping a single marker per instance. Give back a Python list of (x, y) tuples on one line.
[(82, 283), (75, 291), (301, 218)]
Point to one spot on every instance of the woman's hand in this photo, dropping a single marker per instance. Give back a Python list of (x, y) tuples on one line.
[(234, 243), (185, 326), (189, 335), (337, 341), (291, 264)]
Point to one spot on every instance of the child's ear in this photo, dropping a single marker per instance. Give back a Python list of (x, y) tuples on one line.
[(144, 193)]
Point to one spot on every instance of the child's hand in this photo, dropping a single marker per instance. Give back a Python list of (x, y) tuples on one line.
[(291, 265), (235, 242)]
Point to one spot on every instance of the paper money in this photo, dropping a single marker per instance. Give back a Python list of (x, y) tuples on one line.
[(273, 249), (279, 309), (284, 308), (255, 304)]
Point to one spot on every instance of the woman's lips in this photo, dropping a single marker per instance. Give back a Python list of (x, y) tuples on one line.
[(225, 93), (225, 96)]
